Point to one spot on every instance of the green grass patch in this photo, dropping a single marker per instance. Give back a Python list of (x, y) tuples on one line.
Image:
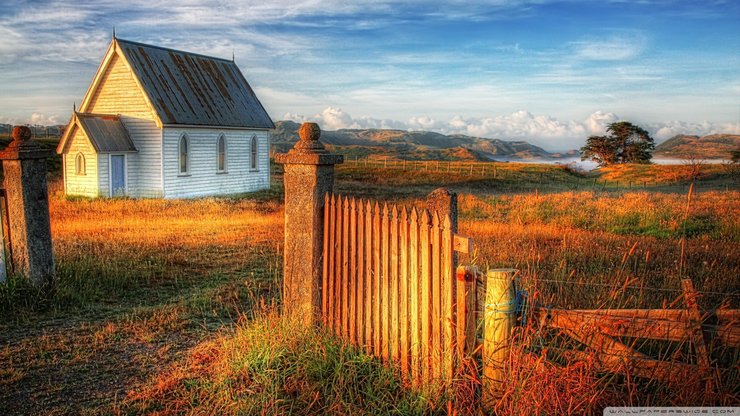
[(271, 365)]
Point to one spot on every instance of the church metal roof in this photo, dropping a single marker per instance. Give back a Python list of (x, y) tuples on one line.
[(106, 132), (191, 89)]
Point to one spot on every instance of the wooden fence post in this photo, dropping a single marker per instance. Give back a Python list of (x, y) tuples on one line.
[(500, 317), (444, 203), (466, 311), (309, 176)]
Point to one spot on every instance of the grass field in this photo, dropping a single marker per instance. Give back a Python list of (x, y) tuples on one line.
[(170, 306)]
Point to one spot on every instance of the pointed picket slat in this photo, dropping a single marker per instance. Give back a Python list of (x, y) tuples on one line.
[(385, 285), (394, 335), (325, 260), (345, 267), (414, 300), (360, 274), (332, 270), (377, 279), (338, 267), (404, 315), (369, 278), (436, 298), (449, 296), (353, 272), (424, 309)]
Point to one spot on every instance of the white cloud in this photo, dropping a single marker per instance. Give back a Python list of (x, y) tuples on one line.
[(425, 123), (332, 118), (613, 48), (43, 119), (664, 131), (596, 123)]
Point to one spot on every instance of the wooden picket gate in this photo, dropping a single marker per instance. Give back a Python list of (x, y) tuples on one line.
[(389, 287)]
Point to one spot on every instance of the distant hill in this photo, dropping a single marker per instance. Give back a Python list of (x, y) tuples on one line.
[(413, 144), (715, 146)]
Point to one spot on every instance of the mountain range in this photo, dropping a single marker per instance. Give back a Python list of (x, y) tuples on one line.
[(404, 144), (414, 144), (714, 146)]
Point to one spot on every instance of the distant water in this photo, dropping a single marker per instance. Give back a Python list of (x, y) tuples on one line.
[(588, 165)]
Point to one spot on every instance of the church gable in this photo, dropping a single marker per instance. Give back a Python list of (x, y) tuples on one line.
[(78, 142), (118, 93)]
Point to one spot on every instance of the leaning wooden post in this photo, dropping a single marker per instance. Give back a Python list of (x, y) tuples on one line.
[(26, 193), (500, 318), (697, 335), (309, 176), (444, 203)]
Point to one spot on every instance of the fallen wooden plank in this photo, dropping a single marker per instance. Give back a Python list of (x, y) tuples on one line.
[(614, 325), (660, 324), (614, 356), (665, 371)]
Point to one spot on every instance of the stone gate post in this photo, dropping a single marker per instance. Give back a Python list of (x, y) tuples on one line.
[(24, 179), (309, 175)]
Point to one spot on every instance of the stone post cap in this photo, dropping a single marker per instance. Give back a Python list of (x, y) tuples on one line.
[(23, 146), (309, 150)]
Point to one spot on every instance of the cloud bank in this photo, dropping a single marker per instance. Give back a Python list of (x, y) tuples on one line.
[(542, 130)]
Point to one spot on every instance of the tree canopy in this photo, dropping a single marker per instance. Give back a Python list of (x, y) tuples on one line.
[(735, 156), (625, 143)]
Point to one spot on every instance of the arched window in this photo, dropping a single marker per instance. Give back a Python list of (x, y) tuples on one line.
[(80, 164), (221, 155), (253, 150), (183, 160)]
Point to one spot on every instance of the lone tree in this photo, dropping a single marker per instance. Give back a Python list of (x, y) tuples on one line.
[(626, 143), (735, 155)]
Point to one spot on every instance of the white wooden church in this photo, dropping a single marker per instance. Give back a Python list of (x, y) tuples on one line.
[(159, 122)]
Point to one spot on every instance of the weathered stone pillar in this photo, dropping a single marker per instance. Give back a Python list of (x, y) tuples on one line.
[(24, 179), (309, 175)]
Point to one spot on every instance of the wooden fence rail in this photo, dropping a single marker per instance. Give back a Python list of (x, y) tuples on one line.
[(657, 324), (389, 286), (610, 337), (513, 171)]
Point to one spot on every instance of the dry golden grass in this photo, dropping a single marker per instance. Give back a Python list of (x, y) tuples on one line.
[(659, 174), (585, 237), (154, 308)]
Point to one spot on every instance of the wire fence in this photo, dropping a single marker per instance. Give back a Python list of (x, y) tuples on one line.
[(580, 294), (540, 173)]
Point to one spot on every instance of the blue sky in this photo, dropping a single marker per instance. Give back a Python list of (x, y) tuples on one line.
[(550, 72)]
